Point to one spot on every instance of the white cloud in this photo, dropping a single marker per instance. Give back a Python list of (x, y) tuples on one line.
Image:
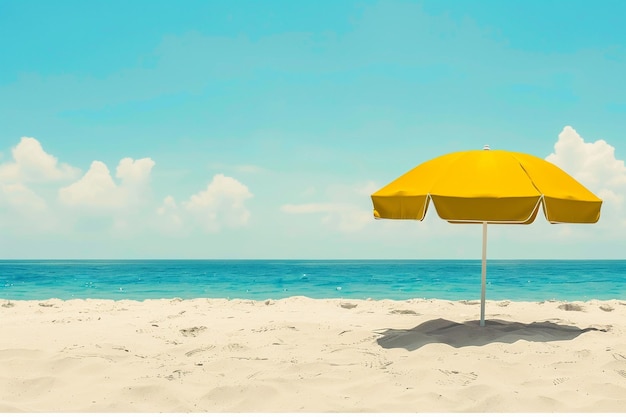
[(25, 212), (121, 199), (135, 180), (339, 216), (119, 205), (169, 206), (349, 220), (32, 164), (97, 190), (346, 212), (593, 164), (134, 173), (221, 204), (24, 209), (21, 199), (169, 218)]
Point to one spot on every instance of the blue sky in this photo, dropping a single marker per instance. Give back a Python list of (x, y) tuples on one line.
[(248, 129)]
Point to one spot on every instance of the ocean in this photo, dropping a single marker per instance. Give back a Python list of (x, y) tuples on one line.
[(515, 280)]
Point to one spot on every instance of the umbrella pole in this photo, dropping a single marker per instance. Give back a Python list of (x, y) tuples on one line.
[(484, 276)]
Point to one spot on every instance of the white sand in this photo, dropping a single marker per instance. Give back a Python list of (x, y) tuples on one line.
[(300, 354)]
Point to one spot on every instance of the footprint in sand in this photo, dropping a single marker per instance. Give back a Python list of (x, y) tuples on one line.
[(235, 347), (412, 312), (571, 307), (380, 364), (112, 346), (585, 353), (174, 316), (263, 329), (558, 381), (44, 304), (621, 373), (192, 331), (199, 350), (619, 357), (177, 374), (469, 302), (457, 378)]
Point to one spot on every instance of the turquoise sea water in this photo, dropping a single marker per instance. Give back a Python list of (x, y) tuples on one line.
[(516, 280)]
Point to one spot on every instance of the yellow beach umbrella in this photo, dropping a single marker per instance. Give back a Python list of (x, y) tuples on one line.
[(487, 186)]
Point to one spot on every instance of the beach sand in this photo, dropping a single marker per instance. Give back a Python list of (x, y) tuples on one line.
[(305, 355)]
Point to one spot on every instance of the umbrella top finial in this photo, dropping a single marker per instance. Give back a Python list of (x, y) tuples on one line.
[(486, 148)]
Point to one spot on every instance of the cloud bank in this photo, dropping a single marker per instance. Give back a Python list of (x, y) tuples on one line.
[(38, 193), (221, 204), (97, 190), (32, 164), (347, 211)]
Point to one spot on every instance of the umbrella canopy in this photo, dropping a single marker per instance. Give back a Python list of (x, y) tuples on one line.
[(488, 186)]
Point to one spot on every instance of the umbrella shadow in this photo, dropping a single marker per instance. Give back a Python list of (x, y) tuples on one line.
[(470, 333)]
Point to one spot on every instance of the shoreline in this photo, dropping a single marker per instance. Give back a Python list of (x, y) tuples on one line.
[(4, 300), (300, 354)]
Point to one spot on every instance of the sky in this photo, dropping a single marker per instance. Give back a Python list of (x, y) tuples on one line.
[(152, 129)]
